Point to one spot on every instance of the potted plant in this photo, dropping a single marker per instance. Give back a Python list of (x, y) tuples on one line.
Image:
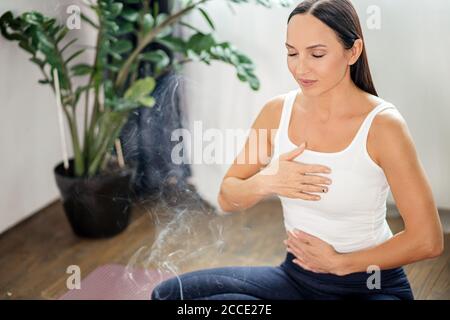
[(95, 183)]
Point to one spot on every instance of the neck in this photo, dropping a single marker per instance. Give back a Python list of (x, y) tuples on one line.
[(335, 102)]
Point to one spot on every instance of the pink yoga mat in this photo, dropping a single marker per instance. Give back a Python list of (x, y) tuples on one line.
[(113, 282)]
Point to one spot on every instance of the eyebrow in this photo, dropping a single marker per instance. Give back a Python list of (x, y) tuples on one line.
[(310, 47)]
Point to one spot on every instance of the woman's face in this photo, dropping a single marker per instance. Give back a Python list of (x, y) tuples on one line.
[(315, 53)]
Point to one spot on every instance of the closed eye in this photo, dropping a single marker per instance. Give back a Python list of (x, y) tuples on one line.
[(315, 56)]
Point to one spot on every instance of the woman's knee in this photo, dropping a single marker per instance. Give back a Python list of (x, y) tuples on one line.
[(166, 290)]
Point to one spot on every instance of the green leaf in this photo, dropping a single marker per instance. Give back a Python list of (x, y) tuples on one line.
[(125, 28), (74, 55), (80, 90), (68, 44), (39, 62), (121, 46), (201, 42), (158, 57), (61, 34), (182, 23), (44, 43), (254, 83), (25, 46), (89, 21), (116, 9), (33, 18), (130, 15), (81, 69), (173, 43), (112, 26), (147, 101), (147, 22), (207, 18), (160, 18), (140, 89)]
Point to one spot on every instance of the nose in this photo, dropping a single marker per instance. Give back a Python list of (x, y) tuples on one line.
[(301, 68)]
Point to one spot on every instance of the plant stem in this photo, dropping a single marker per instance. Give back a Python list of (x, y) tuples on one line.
[(102, 150), (124, 70), (73, 131), (89, 128)]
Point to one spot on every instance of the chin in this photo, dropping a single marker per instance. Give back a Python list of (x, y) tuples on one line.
[(311, 92)]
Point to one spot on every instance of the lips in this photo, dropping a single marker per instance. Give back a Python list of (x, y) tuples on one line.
[(307, 82)]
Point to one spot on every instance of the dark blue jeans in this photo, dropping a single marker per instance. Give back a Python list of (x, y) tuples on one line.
[(286, 281)]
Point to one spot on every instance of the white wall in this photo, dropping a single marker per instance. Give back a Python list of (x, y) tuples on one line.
[(408, 58), (30, 145)]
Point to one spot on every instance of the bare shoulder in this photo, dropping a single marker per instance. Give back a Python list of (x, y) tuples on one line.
[(270, 114), (389, 137), (389, 123)]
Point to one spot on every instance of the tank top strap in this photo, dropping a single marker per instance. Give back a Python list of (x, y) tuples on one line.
[(365, 127), (287, 109), (281, 133)]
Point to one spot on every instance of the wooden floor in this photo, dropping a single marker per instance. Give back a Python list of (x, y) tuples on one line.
[(183, 232)]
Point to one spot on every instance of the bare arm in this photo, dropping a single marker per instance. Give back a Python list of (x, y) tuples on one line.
[(422, 236), (242, 187), (250, 179)]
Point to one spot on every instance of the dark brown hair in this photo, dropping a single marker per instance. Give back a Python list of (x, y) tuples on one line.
[(341, 16)]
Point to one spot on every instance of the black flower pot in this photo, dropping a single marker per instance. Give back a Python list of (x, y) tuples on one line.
[(99, 206)]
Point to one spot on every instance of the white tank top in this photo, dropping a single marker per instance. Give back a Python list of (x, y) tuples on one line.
[(352, 214)]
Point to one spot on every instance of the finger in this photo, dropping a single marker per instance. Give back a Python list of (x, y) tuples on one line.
[(300, 250), (298, 239), (307, 196), (313, 188), (302, 264), (291, 237), (295, 193), (291, 155), (306, 237), (298, 253), (314, 179), (291, 234), (314, 168), (309, 264)]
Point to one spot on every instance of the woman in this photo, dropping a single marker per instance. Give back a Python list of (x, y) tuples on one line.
[(334, 191)]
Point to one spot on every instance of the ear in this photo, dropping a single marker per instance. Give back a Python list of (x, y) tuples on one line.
[(355, 51)]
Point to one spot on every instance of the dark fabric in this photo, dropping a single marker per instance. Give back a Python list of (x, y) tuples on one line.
[(146, 137), (286, 281)]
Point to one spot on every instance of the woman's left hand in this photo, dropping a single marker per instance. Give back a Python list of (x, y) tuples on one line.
[(313, 253)]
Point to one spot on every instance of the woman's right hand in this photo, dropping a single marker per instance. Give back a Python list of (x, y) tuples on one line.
[(292, 179)]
